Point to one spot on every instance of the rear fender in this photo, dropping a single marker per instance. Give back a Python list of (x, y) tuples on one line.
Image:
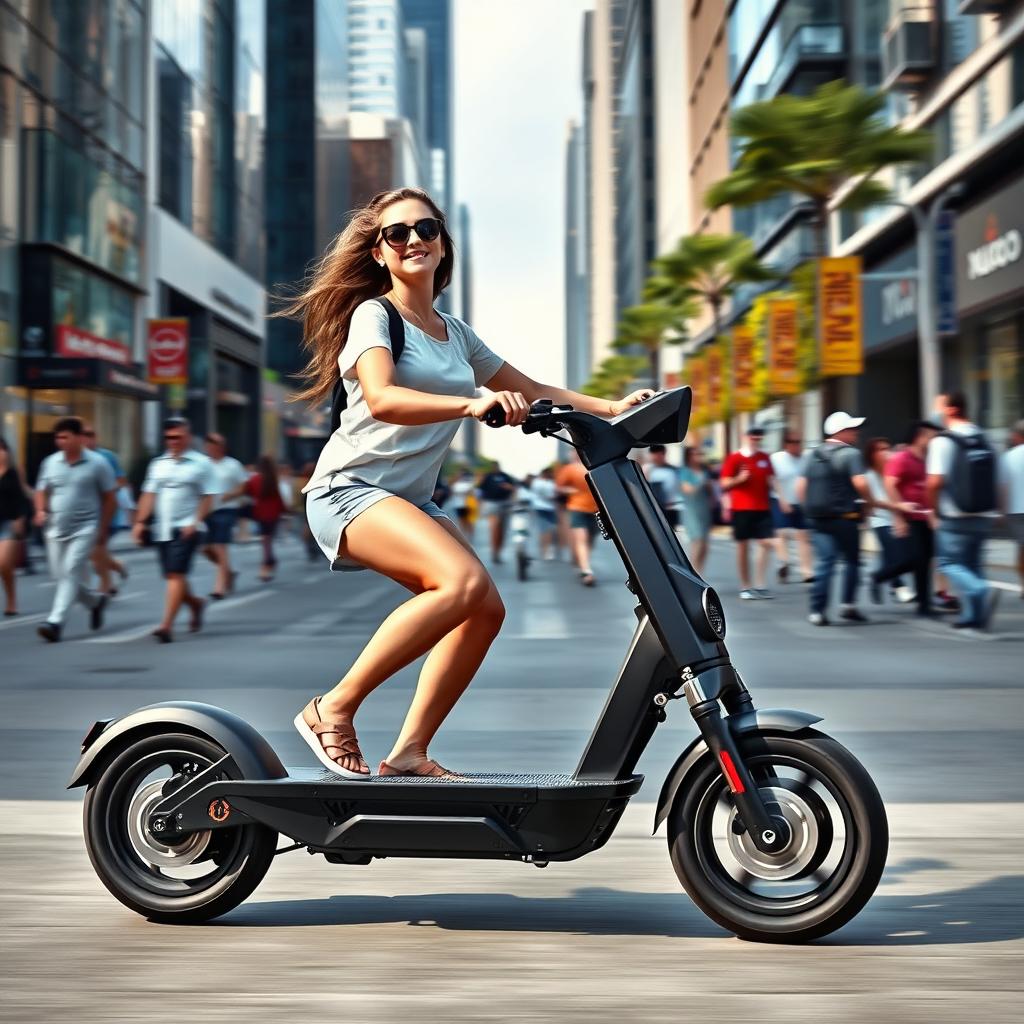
[(770, 720), (254, 756)]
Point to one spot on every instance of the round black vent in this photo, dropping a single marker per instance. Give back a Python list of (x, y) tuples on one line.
[(714, 613)]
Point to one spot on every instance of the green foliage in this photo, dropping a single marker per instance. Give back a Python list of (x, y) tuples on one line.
[(812, 145), (615, 376)]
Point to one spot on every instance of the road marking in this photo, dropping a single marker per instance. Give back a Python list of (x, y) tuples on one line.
[(221, 606)]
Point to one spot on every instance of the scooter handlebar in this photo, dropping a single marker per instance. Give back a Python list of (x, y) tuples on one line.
[(539, 411)]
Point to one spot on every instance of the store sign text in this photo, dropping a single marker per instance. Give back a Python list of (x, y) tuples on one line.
[(79, 344), (998, 252)]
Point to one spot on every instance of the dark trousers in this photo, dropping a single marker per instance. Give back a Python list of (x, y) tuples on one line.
[(912, 553), (834, 540)]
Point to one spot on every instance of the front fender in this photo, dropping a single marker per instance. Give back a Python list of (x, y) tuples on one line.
[(769, 720), (254, 756)]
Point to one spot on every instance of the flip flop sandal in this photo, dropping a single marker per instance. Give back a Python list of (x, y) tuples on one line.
[(429, 769), (316, 736)]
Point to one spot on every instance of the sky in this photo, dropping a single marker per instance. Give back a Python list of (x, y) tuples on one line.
[(517, 86)]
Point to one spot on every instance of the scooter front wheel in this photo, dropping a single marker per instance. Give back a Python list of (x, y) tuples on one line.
[(826, 872), (202, 877)]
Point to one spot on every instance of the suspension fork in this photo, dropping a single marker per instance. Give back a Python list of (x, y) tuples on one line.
[(768, 832)]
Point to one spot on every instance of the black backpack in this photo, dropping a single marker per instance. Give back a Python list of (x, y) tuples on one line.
[(971, 483), (396, 331), (830, 492)]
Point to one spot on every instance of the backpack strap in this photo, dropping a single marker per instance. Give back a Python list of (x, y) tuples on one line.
[(396, 332)]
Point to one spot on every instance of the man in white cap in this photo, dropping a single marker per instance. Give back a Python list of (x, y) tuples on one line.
[(834, 494)]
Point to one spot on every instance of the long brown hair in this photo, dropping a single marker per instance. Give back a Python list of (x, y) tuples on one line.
[(266, 469), (344, 276)]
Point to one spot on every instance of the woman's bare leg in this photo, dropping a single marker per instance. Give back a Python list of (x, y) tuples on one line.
[(396, 539), (448, 670), (698, 554), (8, 555)]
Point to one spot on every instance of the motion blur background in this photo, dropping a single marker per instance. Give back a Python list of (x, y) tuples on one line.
[(183, 158)]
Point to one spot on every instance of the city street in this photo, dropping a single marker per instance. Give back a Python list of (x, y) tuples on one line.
[(935, 717)]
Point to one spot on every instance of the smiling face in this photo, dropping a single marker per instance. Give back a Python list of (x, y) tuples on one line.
[(417, 258)]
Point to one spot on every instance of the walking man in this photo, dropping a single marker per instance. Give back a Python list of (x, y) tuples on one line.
[(571, 480), (180, 486), (747, 478), (230, 478), (835, 495), (102, 560), (664, 480), (1011, 478), (962, 489), (786, 469), (496, 489), (74, 503)]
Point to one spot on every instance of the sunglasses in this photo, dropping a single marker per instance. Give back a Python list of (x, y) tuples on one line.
[(174, 437), (427, 229)]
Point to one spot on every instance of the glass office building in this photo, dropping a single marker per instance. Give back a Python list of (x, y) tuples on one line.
[(72, 220)]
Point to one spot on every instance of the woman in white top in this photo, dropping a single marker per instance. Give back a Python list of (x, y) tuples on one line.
[(369, 499), (543, 492), (886, 519)]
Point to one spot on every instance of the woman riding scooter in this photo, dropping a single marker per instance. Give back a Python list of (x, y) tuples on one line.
[(369, 501)]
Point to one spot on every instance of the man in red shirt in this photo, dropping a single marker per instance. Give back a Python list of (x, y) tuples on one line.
[(905, 477), (747, 477)]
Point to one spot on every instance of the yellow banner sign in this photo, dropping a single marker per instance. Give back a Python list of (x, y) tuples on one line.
[(783, 363), (715, 382), (842, 353), (744, 397)]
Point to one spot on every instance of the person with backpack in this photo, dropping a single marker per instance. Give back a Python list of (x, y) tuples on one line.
[(962, 489), (1011, 480), (664, 480), (369, 498), (833, 491)]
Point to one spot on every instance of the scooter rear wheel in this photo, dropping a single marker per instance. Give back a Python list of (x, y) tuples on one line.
[(825, 874), (206, 875)]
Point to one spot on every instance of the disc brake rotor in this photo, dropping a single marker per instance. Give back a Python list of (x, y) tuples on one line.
[(150, 849), (797, 808)]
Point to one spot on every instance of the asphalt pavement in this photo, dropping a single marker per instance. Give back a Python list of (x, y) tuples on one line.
[(935, 716)]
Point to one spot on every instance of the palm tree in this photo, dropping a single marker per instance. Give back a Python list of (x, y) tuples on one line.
[(613, 378), (708, 268), (812, 145), (646, 327)]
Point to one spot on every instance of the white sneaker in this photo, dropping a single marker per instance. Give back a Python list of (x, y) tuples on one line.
[(905, 594), (748, 595)]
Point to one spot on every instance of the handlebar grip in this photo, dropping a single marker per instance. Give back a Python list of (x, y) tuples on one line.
[(495, 416)]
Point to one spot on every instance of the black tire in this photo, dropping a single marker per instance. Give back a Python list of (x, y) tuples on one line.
[(836, 784), (238, 857)]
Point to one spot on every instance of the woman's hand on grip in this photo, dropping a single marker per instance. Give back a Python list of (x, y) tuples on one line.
[(513, 402)]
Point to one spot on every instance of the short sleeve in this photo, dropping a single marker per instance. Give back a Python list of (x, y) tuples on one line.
[(938, 461), (730, 465), (150, 484), (211, 485), (485, 363), (106, 478), (367, 329), (854, 462), (43, 480)]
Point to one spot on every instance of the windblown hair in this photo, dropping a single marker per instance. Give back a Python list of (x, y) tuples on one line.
[(267, 470), (345, 276)]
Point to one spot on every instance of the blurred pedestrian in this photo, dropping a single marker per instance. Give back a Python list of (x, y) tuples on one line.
[(14, 514), (698, 497), (1011, 478), (747, 478), (267, 509), (834, 494), (905, 485), (543, 492), (462, 488), (102, 560), (229, 477), (497, 489), (563, 533), (962, 488), (664, 480), (75, 500), (887, 522), (571, 480), (786, 468), (180, 487)]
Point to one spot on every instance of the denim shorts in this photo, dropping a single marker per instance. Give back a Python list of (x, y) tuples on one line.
[(220, 525), (330, 509)]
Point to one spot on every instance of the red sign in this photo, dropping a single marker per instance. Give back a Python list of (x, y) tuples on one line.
[(79, 344), (167, 347)]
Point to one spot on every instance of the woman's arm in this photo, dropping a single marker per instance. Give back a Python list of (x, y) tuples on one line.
[(508, 378), (391, 403)]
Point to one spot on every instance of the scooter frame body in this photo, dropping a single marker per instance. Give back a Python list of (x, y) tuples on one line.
[(677, 651)]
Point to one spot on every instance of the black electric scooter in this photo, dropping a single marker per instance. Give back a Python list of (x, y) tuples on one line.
[(774, 829)]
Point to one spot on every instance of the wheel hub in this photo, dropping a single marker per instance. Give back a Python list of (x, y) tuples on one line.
[(146, 845), (794, 857)]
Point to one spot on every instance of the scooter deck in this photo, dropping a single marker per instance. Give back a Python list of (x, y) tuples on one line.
[(531, 817)]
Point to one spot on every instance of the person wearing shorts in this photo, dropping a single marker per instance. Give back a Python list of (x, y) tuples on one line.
[(369, 500), (747, 477), (789, 520), (231, 479), (180, 488), (571, 480)]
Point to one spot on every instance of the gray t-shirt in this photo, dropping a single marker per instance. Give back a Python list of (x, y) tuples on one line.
[(401, 458), (75, 491)]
